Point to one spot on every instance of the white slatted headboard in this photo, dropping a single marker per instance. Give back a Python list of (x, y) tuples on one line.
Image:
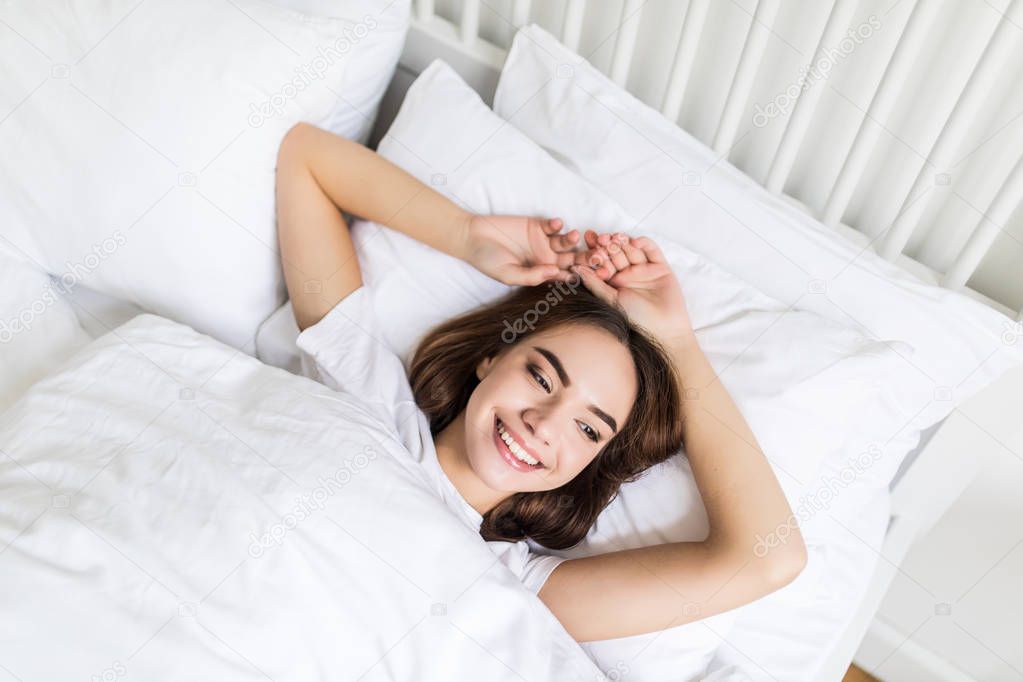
[(473, 36)]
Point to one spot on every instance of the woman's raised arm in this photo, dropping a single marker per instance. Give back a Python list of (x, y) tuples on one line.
[(320, 174), (652, 588)]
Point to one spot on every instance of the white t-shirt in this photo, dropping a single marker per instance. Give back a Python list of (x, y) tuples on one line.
[(346, 351)]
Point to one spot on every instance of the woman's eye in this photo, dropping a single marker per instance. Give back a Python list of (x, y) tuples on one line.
[(586, 428), (590, 433), (539, 378)]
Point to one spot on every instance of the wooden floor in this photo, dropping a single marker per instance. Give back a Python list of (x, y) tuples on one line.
[(854, 674)]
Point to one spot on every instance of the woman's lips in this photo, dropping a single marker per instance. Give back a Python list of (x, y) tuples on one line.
[(506, 454)]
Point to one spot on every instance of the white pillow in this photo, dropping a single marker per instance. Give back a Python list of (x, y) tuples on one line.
[(141, 139), (800, 379), (38, 328), (681, 188)]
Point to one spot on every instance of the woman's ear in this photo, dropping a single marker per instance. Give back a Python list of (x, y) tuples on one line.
[(483, 367)]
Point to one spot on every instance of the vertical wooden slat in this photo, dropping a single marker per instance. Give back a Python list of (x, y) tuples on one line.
[(469, 27), (808, 97), (888, 90), (424, 9), (1008, 199), (520, 12), (573, 26), (685, 56), (742, 83), (625, 44), (992, 65)]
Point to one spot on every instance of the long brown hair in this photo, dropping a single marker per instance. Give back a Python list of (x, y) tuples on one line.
[(443, 376)]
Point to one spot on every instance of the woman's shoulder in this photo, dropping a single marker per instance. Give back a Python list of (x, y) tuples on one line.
[(531, 567), (346, 351)]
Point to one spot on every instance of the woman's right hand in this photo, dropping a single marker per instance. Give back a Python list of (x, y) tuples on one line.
[(633, 274)]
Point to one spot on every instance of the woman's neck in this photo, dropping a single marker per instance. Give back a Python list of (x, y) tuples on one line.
[(453, 458)]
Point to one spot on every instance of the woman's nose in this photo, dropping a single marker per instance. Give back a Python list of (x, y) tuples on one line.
[(540, 424)]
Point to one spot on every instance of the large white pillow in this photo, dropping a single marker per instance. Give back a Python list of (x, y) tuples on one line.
[(140, 139), (799, 378), (681, 188), (38, 328)]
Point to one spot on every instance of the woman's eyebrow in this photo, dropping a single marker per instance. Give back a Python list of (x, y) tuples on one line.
[(563, 378), (556, 363)]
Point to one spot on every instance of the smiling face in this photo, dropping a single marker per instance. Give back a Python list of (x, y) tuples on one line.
[(546, 406)]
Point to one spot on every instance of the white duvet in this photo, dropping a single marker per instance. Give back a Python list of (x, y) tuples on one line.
[(173, 509)]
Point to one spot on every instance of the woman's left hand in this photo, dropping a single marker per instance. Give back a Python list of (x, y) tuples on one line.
[(632, 274), (520, 250)]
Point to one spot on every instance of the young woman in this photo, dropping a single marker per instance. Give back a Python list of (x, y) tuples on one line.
[(531, 436)]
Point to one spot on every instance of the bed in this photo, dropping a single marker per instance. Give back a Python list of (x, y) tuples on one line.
[(558, 126)]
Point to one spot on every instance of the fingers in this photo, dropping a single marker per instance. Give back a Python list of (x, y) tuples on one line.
[(603, 239), (641, 276), (609, 256), (650, 249), (635, 254), (620, 260), (564, 242), (600, 261), (596, 285), (518, 275), (585, 259), (559, 242), (616, 251), (609, 253), (552, 225), (567, 259), (562, 276)]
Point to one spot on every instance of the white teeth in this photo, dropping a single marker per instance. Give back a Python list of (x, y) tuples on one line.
[(515, 448)]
